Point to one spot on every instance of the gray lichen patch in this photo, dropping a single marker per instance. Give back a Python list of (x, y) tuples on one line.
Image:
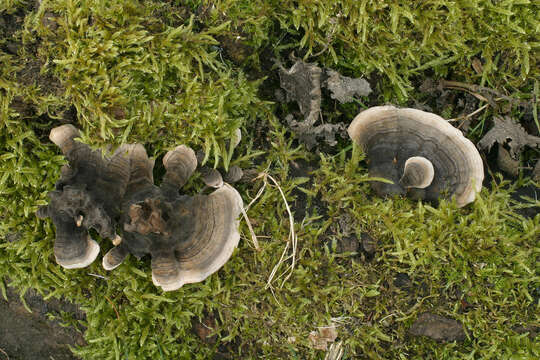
[(344, 89)]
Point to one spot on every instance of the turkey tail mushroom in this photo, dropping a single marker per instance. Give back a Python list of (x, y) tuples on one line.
[(187, 237), (180, 164), (421, 153), (140, 184), (210, 245), (73, 247), (418, 172), (87, 195)]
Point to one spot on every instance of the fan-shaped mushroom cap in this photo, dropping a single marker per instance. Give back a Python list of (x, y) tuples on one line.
[(209, 246), (418, 172), (180, 164), (73, 248), (141, 168), (391, 136), (63, 136), (68, 259), (87, 195), (211, 177), (234, 174), (115, 257)]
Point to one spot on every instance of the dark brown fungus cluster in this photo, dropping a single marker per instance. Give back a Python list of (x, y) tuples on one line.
[(87, 195), (419, 152), (188, 237)]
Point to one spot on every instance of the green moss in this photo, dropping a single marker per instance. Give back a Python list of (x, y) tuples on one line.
[(155, 73)]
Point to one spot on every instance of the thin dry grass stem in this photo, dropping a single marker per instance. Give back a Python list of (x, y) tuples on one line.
[(291, 242), (5, 353), (114, 307), (469, 115), (252, 233), (246, 209), (259, 193), (98, 276), (335, 352)]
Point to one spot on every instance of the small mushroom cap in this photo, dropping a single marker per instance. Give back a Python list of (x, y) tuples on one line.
[(390, 136), (114, 257), (180, 164), (74, 249), (211, 177), (211, 244), (63, 136), (418, 172), (234, 174)]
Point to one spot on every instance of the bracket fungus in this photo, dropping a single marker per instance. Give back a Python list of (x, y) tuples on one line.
[(87, 195), (421, 153), (188, 237)]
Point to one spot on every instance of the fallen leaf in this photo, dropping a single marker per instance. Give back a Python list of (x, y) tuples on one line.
[(309, 134), (506, 131), (477, 66), (302, 83)]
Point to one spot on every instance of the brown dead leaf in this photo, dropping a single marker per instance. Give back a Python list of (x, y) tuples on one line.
[(477, 66), (302, 83), (506, 131), (324, 335), (308, 134)]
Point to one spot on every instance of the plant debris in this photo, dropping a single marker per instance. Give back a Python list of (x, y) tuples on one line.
[(506, 131), (302, 83), (438, 328), (323, 336), (506, 163), (344, 88)]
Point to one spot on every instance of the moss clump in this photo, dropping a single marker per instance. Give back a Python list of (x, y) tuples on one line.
[(159, 73), (397, 40)]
